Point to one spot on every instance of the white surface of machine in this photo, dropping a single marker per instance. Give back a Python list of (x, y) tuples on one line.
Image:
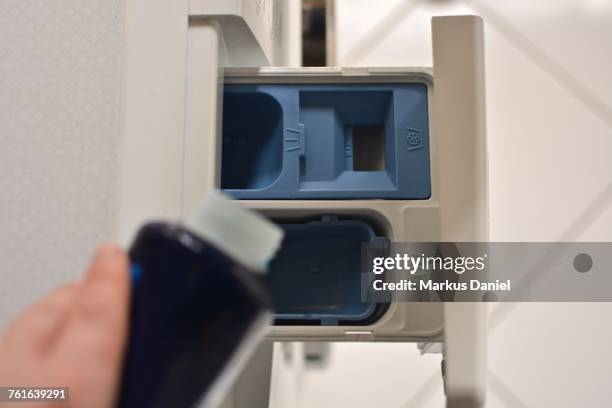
[(179, 55)]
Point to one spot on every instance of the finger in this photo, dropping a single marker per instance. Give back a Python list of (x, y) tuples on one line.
[(95, 333), (36, 326), (103, 299), (100, 311)]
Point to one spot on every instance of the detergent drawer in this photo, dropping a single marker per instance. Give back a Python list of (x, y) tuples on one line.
[(326, 141)]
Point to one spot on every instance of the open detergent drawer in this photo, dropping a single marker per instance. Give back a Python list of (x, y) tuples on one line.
[(337, 161)]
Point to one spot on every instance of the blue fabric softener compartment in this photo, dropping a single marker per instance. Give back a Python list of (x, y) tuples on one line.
[(326, 141), (315, 278)]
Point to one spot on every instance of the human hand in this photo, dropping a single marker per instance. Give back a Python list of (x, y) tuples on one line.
[(74, 337)]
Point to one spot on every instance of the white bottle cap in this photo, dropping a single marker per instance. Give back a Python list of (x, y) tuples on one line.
[(245, 235)]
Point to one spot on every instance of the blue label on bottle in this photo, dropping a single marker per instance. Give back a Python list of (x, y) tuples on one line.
[(135, 272)]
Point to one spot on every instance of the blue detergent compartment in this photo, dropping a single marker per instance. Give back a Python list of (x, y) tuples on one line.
[(306, 141), (315, 278)]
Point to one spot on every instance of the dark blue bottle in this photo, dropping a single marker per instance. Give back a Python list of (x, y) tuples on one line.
[(199, 305)]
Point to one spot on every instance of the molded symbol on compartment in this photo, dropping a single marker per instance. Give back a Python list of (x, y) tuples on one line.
[(348, 149), (293, 139), (413, 138)]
